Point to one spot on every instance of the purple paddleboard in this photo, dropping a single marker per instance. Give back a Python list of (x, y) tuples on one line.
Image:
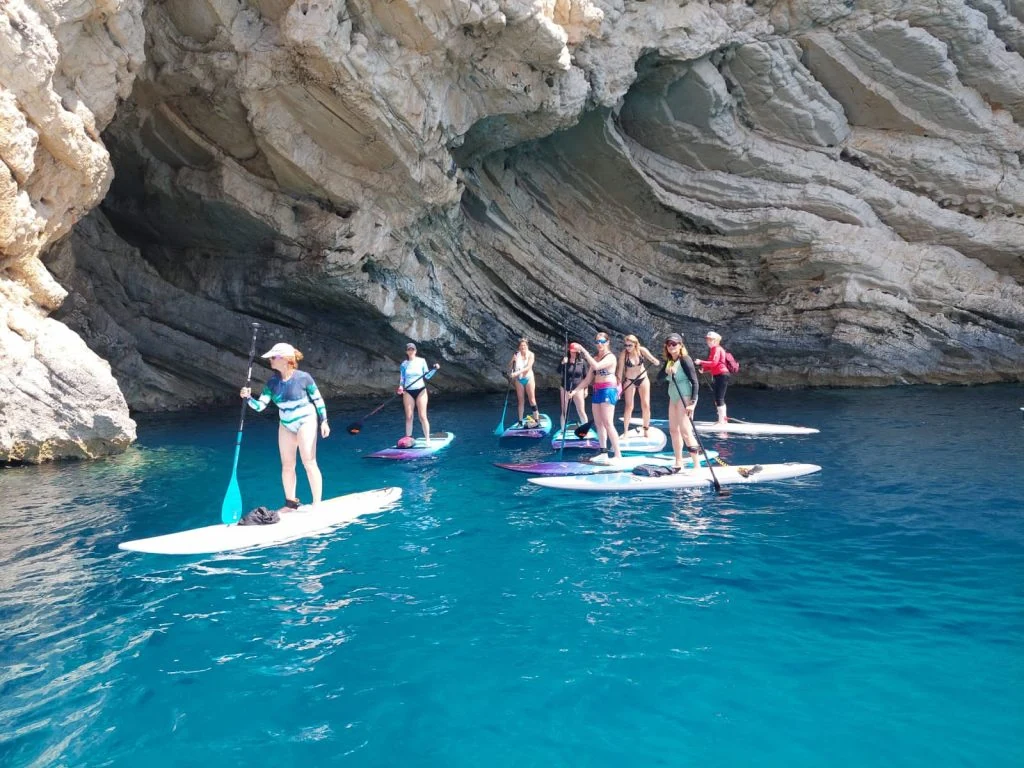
[(420, 449), (537, 432)]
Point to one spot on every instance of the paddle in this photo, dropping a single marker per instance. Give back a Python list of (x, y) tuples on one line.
[(565, 389), (500, 429), (722, 492), (231, 507), (582, 430), (356, 426)]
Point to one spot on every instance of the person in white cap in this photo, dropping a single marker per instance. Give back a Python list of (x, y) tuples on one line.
[(299, 406), (715, 365), (412, 386)]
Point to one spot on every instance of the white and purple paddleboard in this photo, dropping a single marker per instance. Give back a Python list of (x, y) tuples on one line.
[(599, 465), (420, 448), (535, 432), (572, 443), (700, 478)]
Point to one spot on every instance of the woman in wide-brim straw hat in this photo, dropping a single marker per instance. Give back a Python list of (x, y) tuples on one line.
[(300, 407)]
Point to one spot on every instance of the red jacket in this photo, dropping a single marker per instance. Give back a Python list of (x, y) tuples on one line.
[(715, 365)]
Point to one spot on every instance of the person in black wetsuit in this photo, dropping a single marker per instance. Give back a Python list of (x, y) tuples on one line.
[(571, 371)]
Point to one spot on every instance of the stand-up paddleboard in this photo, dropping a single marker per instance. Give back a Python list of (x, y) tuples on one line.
[(539, 430), (741, 428), (419, 449), (635, 442), (572, 443), (304, 521), (752, 428), (599, 465), (701, 478)]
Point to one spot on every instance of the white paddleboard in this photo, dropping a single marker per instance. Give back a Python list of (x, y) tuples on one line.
[(635, 442), (742, 428), (699, 478), (305, 521)]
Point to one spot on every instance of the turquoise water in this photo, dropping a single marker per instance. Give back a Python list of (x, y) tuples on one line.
[(869, 615)]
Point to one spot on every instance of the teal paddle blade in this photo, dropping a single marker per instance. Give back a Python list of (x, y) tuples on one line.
[(231, 509)]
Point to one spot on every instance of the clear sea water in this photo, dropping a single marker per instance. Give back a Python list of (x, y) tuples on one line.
[(869, 615)]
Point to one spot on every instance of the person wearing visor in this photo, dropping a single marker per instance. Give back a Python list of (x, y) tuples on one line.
[(412, 386), (682, 399), (299, 407), (606, 391)]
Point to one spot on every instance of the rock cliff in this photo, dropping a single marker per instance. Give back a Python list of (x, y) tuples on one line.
[(833, 186)]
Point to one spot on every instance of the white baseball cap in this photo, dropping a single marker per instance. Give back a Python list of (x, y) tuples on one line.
[(280, 350)]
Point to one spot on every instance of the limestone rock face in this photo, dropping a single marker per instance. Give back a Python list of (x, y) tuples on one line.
[(63, 68), (834, 187)]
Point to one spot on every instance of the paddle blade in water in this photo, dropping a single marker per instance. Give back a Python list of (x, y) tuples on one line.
[(231, 509)]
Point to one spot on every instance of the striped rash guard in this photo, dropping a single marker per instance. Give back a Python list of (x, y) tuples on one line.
[(297, 399)]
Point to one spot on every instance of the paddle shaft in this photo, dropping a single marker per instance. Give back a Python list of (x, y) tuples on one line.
[(245, 405), (501, 424), (565, 389), (718, 485), (231, 507)]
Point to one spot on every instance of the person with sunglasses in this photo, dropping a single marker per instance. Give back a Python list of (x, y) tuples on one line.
[(682, 399), (606, 391), (299, 406), (631, 371), (526, 386)]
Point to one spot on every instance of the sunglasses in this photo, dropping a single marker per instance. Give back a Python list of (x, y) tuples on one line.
[(629, 345), (671, 343), (600, 341)]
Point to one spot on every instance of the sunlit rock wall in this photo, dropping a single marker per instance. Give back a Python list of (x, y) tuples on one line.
[(833, 186), (64, 66)]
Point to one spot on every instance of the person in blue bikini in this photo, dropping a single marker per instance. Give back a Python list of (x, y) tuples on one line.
[(412, 386), (526, 387), (606, 391), (300, 407)]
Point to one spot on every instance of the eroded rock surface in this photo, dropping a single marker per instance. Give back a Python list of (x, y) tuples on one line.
[(63, 68), (836, 189)]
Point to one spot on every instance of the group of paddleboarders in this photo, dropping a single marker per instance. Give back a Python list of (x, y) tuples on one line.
[(628, 374), (302, 411)]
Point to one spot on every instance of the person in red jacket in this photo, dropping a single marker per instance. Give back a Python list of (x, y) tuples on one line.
[(715, 365)]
